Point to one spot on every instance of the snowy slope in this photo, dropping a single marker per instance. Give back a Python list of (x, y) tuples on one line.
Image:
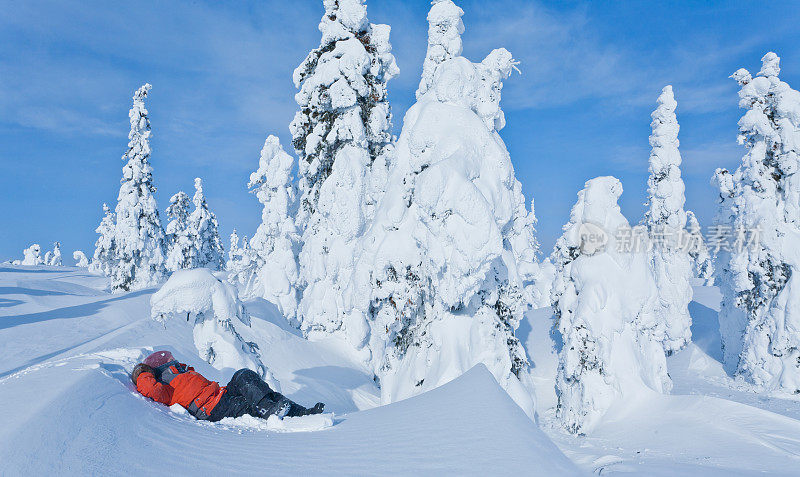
[(709, 425), (67, 348)]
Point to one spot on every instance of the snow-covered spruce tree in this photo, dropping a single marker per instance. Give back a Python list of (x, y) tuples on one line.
[(54, 259), (234, 254), (603, 298), (204, 231), (276, 243), (702, 262), (761, 332), (665, 220), (444, 39), (139, 244), (439, 270), (341, 135), (104, 246), (180, 238)]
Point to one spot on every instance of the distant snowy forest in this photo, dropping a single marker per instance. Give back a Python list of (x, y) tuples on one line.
[(420, 251)]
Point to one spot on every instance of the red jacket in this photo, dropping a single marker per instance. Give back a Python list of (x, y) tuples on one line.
[(189, 389)]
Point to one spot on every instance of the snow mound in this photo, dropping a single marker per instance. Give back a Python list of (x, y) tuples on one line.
[(287, 424)]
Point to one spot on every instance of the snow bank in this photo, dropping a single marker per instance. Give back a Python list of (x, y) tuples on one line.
[(317, 422)]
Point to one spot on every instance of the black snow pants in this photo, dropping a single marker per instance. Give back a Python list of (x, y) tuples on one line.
[(247, 393)]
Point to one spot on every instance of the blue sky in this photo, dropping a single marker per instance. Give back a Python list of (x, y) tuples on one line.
[(221, 75)]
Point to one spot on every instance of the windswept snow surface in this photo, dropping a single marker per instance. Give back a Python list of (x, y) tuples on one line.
[(66, 348)]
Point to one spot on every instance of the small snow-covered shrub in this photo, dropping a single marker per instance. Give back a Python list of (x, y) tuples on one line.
[(53, 258), (603, 297), (80, 259), (32, 255), (212, 306)]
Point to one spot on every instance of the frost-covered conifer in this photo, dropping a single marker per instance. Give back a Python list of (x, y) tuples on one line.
[(665, 220), (702, 262), (180, 238), (341, 134), (603, 299), (233, 250), (53, 258), (32, 255), (203, 229), (760, 314), (104, 246), (275, 244), (139, 247), (80, 259), (444, 39), (438, 286)]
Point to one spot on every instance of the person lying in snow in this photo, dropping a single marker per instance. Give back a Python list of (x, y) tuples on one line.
[(163, 379)]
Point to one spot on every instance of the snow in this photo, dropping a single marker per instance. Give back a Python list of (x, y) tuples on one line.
[(75, 410), (66, 346)]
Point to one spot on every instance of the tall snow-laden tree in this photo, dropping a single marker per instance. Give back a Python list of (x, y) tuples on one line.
[(276, 242), (204, 232), (180, 239), (139, 244), (104, 246), (342, 134), (445, 28), (760, 204), (702, 262), (603, 298), (437, 288), (666, 220)]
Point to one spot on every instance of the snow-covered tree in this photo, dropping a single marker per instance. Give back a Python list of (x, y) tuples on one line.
[(80, 259), (666, 220), (180, 239), (104, 246), (275, 244), (603, 298), (702, 262), (203, 229), (197, 298), (444, 39), (53, 258), (233, 251), (139, 247), (760, 204), (438, 286), (32, 255), (342, 134)]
